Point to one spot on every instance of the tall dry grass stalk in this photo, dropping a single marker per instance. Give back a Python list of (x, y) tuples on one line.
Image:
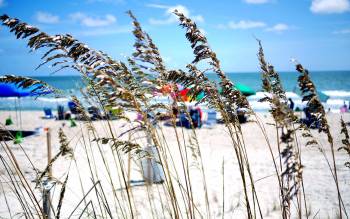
[(290, 174), (345, 141), (318, 114)]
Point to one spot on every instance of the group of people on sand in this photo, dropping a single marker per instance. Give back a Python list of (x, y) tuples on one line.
[(343, 109), (309, 119)]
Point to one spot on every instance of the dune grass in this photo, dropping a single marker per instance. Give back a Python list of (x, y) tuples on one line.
[(121, 88)]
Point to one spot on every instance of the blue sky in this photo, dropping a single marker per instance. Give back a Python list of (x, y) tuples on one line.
[(315, 32)]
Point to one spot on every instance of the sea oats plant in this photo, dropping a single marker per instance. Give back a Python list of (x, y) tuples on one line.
[(290, 178), (118, 88), (318, 115), (345, 141)]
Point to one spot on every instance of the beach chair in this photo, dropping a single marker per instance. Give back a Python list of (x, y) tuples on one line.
[(196, 117), (241, 115), (310, 120), (211, 119), (48, 113), (183, 120), (60, 112), (95, 113), (73, 107)]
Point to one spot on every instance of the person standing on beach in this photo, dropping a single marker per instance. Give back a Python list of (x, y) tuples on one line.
[(344, 108), (291, 103)]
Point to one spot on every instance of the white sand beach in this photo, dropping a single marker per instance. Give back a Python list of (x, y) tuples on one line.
[(216, 150)]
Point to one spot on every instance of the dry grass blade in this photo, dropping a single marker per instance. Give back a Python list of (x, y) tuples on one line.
[(291, 174), (146, 50), (232, 97), (345, 141), (60, 200), (125, 146), (318, 114), (65, 150), (314, 104)]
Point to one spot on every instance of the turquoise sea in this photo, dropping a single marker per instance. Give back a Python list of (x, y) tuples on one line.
[(335, 84)]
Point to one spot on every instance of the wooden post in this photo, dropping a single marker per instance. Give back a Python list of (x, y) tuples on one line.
[(46, 184), (46, 200), (49, 157)]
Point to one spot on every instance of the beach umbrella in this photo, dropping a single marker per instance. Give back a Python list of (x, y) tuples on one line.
[(184, 94), (200, 96), (322, 96), (244, 89), (9, 89)]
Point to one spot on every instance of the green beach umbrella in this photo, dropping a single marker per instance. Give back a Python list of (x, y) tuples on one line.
[(244, 89), (200, 96), (322, 96)]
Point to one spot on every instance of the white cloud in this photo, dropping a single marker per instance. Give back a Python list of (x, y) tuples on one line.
[(170, 17), (330, 6), (89, 21), (278, 28), (256, 1), (157, 6), (46, 18), (343, 31), (242, 24)]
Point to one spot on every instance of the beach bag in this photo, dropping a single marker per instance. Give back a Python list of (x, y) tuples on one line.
[(18, 138), (8, 121)]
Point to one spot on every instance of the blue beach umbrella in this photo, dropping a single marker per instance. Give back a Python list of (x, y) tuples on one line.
[(8, 89), (322, 96), (12, 90)]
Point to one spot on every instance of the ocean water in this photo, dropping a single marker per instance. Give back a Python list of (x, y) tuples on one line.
[(335, 84)]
